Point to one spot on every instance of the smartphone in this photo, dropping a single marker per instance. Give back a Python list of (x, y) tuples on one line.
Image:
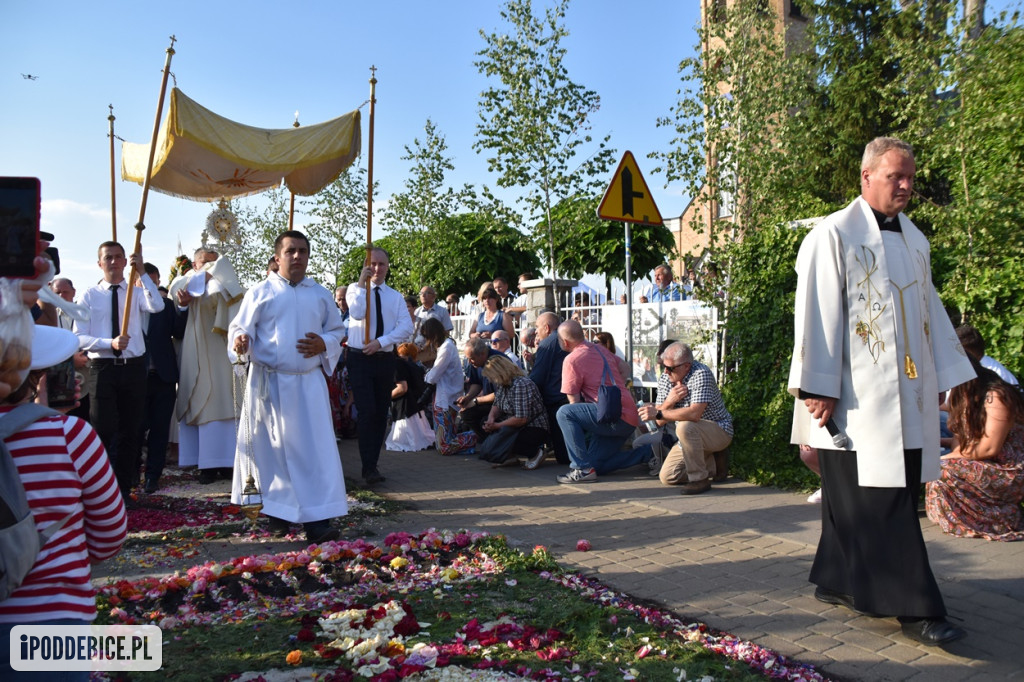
[(19, 226), (60, 384)]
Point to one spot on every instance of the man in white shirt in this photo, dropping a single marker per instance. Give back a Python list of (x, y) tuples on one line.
[(371, 364), (117, 359), (500, 341), (429, 309)]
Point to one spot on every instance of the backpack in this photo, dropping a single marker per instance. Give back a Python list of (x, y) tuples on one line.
[(20, 542)]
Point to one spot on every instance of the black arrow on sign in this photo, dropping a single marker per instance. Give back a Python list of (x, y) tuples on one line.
[(627, 193)]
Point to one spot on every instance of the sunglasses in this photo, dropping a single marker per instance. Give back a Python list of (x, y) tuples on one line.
[(672, 368)]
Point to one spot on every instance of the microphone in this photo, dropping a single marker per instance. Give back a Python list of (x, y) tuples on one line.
[(839, 438)]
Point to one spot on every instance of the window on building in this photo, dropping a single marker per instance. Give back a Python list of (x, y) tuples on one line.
[(717, 10)]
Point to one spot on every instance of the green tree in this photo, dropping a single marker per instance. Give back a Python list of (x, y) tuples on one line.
[(398, 273), (534, 120), (338, 214), (259, 227), (471, 248), (585, 243), (416, 212), (465, 250), (978, 154)]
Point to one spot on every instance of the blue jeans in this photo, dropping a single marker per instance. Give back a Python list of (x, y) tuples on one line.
[(623, 459), (588, 441)]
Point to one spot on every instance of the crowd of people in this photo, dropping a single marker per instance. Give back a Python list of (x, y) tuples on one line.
[(371, 363)]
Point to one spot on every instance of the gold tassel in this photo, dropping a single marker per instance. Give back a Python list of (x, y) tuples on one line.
[(909, 367)]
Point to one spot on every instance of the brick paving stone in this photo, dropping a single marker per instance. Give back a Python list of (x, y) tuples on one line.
[(828, 628), (865, 640), (938, 671), (901, 653), (818, 643)]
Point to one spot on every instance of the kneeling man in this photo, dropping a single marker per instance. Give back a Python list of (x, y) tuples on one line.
[(702, 423)]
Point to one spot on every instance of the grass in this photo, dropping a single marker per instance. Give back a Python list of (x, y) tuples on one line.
[(593, 639)]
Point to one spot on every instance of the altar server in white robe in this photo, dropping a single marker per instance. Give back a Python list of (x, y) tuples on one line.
[(873, 350), (291, 329)]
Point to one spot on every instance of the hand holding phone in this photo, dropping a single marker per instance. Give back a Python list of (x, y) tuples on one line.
[(19, 226)]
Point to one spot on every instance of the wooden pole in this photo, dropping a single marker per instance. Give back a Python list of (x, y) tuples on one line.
[(113, 185), (141, 225), (369, 202), (291, 202)]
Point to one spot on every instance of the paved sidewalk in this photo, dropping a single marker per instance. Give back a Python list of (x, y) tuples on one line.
[(736, 558)]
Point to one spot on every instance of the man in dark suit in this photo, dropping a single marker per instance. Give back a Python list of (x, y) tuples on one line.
[(162, 380), (547, 374)]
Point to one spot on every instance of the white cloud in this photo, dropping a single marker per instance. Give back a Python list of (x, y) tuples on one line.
[(62, 210)]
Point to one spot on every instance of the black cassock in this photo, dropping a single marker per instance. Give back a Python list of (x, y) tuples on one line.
[(871, 545)]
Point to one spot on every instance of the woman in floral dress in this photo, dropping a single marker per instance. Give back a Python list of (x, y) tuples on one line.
[(982, 484)]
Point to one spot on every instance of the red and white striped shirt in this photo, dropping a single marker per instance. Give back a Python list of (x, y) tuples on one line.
[(65, 470)]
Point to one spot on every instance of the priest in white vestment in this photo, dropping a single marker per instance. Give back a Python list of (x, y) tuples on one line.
[(873, 350), (206, 408), (291, 330)]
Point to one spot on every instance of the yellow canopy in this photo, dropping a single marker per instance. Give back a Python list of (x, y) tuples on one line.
[(201, 155)]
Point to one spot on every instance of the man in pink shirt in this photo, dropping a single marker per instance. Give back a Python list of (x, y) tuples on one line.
[(589, 441)]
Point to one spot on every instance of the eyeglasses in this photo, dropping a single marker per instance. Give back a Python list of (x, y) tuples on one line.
[(672, 368), (495, 342)]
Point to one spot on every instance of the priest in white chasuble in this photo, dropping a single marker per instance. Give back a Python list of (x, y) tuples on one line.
[(873, 350), (206, 407)]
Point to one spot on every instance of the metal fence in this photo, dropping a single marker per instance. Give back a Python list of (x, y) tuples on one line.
[(691, 322)]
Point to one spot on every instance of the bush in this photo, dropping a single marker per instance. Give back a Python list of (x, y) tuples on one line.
[(759, 341)]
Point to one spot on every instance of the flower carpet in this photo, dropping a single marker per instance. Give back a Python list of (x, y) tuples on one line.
[(435, 605)]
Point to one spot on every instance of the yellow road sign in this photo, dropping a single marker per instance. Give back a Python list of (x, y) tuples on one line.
[(628, 198)]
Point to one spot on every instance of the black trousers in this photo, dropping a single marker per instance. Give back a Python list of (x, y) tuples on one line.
[(474, 418), (871, 544), (116, 410), (160, 396), (557, 439), (372, 377), (528, 440)]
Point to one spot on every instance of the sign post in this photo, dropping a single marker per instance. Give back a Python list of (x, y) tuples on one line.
[(628, 200)]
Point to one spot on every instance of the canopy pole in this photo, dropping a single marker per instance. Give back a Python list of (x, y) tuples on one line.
[(369, 202), (113, 184), (291, 201), (141, 225)]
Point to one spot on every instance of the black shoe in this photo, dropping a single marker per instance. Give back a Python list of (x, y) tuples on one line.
[(932, 631), (151, 487), (278, 527), (373, 478), (207, 476), (696, 487), (317, 534), (823, 594)]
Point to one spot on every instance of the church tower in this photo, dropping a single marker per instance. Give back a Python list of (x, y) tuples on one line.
[(791, 23)]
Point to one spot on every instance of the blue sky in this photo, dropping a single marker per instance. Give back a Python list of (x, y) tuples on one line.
[(259, 62), (260, 65)]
